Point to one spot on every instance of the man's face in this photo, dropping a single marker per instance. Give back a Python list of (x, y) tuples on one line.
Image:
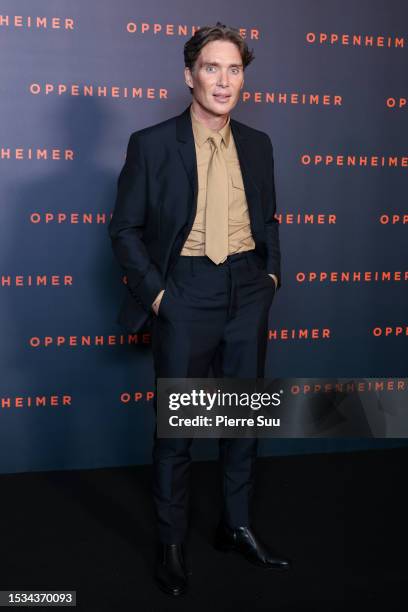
[(217, 77)]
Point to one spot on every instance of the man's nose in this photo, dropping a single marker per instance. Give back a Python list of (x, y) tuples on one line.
[(223, 80)]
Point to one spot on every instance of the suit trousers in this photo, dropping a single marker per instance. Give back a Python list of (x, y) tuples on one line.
[(210, 316)]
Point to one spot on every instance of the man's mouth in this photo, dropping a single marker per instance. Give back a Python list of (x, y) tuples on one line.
[(222, 97)]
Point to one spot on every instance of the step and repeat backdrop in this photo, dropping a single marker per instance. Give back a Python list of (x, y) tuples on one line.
[(77, 78)]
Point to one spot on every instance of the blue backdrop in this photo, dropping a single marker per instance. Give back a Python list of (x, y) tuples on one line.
[(328, 85)]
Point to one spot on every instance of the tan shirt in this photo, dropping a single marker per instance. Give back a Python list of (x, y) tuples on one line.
[(239, 229)]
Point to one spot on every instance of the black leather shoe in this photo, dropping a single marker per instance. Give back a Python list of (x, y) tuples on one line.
[(243, 541), (171, 574)]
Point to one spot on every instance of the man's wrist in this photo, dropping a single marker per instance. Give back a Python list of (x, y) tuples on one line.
[(275, 278), (157, 298)]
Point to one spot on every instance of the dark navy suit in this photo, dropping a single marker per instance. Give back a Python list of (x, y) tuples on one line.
[(211, 317)]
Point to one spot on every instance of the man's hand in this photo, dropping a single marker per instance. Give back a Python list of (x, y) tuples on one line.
[(156, 303), (275, 278)]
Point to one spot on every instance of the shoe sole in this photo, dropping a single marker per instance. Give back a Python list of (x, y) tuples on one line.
[(228, 548), (169, 592)]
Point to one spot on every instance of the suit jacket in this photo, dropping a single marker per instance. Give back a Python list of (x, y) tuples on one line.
[(156, 204)]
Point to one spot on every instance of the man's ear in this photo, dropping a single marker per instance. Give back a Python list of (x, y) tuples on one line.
[(187, 77)]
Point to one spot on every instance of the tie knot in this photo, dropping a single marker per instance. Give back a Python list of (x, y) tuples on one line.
[(216, 140)]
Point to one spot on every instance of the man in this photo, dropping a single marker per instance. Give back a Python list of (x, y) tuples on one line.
[(194, 230)]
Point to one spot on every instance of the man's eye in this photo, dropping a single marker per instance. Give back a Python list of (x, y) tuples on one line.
[(210, 68)]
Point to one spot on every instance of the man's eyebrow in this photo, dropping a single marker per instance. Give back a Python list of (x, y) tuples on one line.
[(217, 64)]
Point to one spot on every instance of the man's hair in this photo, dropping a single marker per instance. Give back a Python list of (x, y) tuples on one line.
[(207, 34)]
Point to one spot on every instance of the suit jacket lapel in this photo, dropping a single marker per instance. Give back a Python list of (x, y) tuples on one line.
[(185, 137)]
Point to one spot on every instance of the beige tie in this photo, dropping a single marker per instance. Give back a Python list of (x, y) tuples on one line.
[(216, 215)]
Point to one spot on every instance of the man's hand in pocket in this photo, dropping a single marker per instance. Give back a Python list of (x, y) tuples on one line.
[(156, 303)]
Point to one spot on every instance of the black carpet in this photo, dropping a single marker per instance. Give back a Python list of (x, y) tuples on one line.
[(341, 518)]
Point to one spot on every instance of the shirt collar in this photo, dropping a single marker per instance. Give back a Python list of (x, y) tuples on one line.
[(202, 132)]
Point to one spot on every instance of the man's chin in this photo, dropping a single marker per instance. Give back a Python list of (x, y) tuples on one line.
[(221, 108)]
